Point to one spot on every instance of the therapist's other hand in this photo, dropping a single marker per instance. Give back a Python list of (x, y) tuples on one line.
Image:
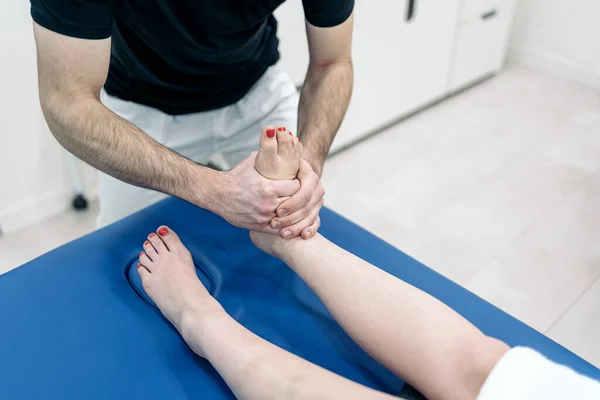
[(299, 215), (248, 200)]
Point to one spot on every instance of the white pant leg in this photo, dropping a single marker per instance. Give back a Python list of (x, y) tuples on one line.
[(119, 199), (524, 374), (273, 100)]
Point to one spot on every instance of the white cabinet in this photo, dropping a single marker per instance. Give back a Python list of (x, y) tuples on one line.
[(481, 39), (401, 61), (406, 53)]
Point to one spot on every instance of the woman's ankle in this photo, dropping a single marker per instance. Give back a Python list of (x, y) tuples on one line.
[(291, 249), (196, 319)]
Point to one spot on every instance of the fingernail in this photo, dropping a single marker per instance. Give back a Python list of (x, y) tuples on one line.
[(281, 213), (141, 253), (280, 129), (139, 265), (277, 224), (287, 234), (270, 133), (163, 231), (146, 243), (151, 235)]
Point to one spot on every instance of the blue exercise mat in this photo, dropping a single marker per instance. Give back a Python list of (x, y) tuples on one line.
[(73, 327)]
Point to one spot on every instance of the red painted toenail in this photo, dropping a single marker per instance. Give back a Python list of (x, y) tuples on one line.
[(284, 128), (163, 231), (139, 265), (298, 139), (141, 253), (291, 134), (280, 129), (151, 235), (146, 243), (270, 133)]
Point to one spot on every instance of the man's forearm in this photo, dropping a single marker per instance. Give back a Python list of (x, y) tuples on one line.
[(108, 142), (323, 103)]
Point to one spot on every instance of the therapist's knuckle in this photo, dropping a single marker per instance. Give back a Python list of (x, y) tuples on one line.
[(269, 191), (317, 224), (321, 191), (267, 212), (306, 197), (266, 189), (263, 219), (258, 223), (265, 207)]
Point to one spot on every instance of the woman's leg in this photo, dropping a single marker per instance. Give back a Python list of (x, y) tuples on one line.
[(413, 334), (253, 368)]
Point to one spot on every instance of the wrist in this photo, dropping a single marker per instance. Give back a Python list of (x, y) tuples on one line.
[(208, 188)]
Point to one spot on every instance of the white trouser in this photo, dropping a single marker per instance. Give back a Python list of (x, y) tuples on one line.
[(224, 136), (524, 374)]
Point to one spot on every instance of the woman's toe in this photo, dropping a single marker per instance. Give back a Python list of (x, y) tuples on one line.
[(169, 238), (298, 148), (158, 244), (268, 142), (146, 261), (144, 274), (284, 142), (150, 250)]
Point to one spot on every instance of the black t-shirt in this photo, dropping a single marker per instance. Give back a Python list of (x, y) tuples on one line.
[(182, 56)]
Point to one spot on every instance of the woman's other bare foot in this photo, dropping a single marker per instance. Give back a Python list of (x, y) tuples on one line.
[(169, 277), (279, 154)]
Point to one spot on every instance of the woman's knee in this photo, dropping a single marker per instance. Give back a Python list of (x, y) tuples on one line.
[(481, 360)]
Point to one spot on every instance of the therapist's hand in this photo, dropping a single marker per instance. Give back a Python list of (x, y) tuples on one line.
[(248, 200), (299, 215)]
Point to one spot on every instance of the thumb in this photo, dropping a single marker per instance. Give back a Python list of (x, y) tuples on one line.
[(305, 169), (285, 188)]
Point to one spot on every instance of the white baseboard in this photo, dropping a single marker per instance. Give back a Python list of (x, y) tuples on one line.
[(38, 209), (555, 65)]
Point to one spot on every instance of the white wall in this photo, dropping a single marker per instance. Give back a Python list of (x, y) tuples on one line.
[(34, 177), (559, 36)]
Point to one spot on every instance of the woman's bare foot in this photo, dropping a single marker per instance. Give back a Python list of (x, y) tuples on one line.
[(169, 277), (279, 154), (278, 158)]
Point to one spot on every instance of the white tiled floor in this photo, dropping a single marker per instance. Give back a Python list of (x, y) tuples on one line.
[(497, 188), (27, 244)]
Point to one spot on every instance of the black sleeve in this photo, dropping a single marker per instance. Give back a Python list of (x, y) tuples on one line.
[(327, 13), (86, 19)]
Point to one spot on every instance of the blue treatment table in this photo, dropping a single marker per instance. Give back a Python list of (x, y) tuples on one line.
[(72, 327)]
